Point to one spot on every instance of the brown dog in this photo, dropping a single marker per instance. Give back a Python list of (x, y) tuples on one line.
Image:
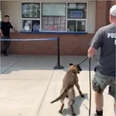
[(70, 79)]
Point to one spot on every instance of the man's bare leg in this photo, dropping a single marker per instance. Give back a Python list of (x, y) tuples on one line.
[(115, 107), (99, 103)]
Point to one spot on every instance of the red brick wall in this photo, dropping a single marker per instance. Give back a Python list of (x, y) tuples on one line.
[(71, 44), (113, 2), (101, 13)]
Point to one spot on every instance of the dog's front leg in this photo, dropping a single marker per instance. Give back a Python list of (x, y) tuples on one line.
[(78, 88)]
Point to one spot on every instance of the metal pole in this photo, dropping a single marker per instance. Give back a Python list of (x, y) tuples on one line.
[(58, 66)]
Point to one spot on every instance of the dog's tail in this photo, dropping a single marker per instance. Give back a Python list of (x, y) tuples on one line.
[(62, 94)]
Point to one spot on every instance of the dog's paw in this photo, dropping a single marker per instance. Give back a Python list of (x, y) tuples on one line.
[(60, 112), (70, 64), (73, 114), (66, 96), (82, 95)]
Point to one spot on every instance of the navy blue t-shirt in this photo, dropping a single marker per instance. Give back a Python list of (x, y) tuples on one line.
[(105, 39)]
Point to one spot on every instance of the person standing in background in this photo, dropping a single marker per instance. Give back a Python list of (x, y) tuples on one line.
[(5, 28)]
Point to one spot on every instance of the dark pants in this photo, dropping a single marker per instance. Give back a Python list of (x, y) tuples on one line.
[(5, 45)]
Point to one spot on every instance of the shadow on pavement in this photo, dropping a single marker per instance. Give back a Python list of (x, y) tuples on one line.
[(77, 105)]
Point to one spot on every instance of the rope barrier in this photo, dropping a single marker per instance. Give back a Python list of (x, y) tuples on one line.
[(58, 66), (34, 39)]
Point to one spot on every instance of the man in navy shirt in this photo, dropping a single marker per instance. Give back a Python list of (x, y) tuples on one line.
[(105, 39), (5, 34)]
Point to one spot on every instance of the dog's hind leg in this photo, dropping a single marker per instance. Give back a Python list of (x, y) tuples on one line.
[(62, 106), (71, 107), (72, 110), (61, 109), (71, 96)]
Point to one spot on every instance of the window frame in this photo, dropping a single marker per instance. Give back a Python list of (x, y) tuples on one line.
[(30, 18), (42, 30), (79, 19), (67, 19), (28, 4)]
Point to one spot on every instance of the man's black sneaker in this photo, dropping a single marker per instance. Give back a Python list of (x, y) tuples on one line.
[(98, 113)]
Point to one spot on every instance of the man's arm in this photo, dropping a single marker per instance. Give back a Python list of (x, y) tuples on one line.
[(12, 28), (1, 34), (96, 43)]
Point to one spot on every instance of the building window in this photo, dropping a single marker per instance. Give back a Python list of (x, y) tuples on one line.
[(76, 17), (76, 26), (53, 17), (31, 17), (30, 10), (31, 25)]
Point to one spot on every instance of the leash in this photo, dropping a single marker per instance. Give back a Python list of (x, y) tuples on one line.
[(83, 61), (90, 93)]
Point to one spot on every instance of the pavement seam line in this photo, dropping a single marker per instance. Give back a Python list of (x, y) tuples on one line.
[(44, 95), (10, 66)]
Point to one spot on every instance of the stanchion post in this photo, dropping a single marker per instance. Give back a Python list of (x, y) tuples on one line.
[(58, 66)]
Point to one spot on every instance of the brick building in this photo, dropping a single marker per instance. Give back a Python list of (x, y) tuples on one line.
[(73, 21)]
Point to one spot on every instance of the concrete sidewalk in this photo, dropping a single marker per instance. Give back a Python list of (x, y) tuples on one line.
[(29, 83)]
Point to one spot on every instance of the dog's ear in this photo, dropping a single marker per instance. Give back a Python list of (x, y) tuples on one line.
[(70, 64), (78, 66)]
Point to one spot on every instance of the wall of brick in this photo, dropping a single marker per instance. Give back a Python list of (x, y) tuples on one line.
[(113, 2), (101, 13), (70, 44)]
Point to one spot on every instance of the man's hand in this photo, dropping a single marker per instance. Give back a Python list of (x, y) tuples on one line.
[(1, 34), (91, 52), (14, 30)]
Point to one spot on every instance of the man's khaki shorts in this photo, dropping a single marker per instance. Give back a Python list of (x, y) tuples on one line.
[(100, 82)]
